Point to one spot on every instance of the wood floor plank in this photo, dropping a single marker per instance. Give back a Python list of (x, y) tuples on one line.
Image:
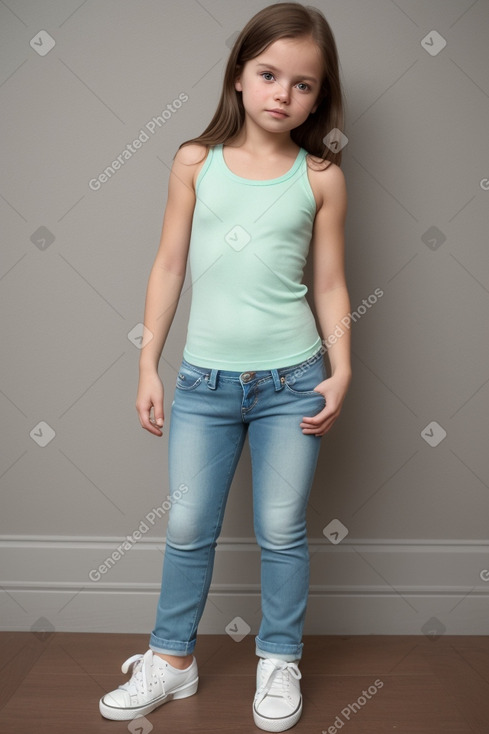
[(404, 704), (476, 653), (19, 653), (463, 682), (53, 684)]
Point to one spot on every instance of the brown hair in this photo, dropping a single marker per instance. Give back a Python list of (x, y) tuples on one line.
[(282, 20)]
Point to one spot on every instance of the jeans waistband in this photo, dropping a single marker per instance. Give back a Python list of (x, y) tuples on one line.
[(277, 374)]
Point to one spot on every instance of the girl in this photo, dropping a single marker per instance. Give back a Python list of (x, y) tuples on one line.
[(246, 200)]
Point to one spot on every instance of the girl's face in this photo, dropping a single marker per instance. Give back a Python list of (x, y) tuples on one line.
[(286, 76)]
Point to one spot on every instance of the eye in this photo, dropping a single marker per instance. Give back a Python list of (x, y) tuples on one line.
[(303, 84), (266, 73)]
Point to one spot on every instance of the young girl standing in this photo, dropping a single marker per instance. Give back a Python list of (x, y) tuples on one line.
[(246, 201)]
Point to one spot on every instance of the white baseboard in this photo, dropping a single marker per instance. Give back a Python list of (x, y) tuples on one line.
[(357, 587)]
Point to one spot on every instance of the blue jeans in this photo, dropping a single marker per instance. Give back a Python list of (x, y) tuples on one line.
[(212, 412)]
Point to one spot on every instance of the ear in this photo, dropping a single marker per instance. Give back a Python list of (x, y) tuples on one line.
[(318, 102), (237, 84)]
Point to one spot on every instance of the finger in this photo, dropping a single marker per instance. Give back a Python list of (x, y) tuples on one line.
[(155, 430), (319, 424), (147, 421), (156, 423), (314, 420), (319, 431), (159, 413)]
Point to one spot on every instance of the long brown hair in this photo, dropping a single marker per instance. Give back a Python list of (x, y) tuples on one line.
[(282, 20)]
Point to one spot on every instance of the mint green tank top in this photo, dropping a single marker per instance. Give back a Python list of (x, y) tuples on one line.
[(248, 247)]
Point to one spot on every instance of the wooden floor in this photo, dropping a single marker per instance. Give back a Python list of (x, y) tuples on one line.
[(413, 685)]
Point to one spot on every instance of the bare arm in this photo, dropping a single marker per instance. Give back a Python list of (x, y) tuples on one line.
[(165, 284), (331, 296)]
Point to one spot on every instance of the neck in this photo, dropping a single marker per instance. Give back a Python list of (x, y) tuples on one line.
[(256, 140)]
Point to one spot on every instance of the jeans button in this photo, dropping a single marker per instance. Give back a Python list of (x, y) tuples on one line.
[(247, 376)]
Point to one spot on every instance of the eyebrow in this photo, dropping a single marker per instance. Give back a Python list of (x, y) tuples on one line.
[(299, 76)]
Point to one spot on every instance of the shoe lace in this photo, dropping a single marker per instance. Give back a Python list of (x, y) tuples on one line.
[(141, 673), (276, 678)]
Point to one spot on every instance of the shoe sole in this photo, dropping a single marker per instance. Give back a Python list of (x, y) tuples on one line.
[(119, 714), (282, 724)]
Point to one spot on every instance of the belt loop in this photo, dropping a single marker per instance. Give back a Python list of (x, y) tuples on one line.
[(212, 381), (276, 380)]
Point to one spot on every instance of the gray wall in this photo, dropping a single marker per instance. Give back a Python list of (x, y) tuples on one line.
[(75, 264)]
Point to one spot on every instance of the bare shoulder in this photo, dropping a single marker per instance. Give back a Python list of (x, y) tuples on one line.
[(191, 154), (188, 161), (327, 182)]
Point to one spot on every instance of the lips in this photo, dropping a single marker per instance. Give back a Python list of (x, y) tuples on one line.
[(278, 112)]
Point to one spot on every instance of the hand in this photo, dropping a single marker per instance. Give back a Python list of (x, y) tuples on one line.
[(150, 396), (334, 390)]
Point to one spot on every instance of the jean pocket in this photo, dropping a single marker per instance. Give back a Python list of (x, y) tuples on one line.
[(188, 378), (303, 380)]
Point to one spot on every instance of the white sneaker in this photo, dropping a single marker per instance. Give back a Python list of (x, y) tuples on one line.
[(153, 682), (278, 701)]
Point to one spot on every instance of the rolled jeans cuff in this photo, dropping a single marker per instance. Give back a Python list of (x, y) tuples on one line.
[(171, 647), (277, 651)]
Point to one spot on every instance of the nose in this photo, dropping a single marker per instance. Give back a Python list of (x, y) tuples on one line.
[(282, 93)]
